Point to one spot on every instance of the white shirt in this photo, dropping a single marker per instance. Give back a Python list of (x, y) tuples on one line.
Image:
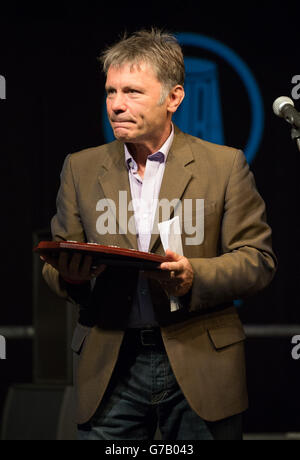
[(145, 194)]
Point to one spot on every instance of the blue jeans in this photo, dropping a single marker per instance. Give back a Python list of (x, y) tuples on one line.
[(143, 394)]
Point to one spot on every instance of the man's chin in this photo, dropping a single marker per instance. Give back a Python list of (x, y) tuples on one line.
[(122, 135)]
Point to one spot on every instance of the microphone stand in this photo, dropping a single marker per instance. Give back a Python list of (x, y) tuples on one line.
[(294, 120), (295, 134)]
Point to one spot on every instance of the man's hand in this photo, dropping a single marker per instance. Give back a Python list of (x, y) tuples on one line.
[(176, 277), (77, 268)]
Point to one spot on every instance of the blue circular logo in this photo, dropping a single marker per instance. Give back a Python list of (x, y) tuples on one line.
[(257, 110)]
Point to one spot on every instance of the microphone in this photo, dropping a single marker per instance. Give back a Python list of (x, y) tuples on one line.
[(284, 107)]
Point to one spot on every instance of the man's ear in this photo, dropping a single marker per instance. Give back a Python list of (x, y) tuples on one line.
[(175, 98)]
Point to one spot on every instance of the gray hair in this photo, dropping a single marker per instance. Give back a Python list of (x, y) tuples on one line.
[(159, 49)]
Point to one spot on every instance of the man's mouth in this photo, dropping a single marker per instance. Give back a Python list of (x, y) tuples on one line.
[(120, 122)]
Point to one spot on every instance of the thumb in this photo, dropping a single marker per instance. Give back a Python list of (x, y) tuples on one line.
[(172, 255)]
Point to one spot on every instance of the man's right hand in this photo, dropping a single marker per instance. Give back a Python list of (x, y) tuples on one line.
[(74, 268)]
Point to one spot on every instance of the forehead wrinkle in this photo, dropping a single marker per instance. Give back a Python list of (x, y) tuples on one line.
[(135, 66)]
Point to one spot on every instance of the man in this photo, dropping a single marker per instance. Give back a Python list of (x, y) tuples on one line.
[(139, 362)]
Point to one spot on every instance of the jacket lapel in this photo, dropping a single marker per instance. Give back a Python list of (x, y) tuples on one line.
[(113, 179)]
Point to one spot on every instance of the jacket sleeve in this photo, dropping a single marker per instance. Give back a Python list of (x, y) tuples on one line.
[(66, 225), (246, 263)]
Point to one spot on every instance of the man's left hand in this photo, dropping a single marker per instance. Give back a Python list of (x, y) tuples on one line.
[(176, 276)]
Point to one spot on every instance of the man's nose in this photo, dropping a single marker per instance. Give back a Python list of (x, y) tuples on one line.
[(118, 103)]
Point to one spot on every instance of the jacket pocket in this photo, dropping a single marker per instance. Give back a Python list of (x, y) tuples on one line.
[(223, 337), (79, 336)]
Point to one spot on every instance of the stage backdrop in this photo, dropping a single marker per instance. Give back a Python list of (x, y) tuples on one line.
[(238, 60)]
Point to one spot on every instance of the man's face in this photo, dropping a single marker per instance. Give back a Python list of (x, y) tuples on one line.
[(133, 95)]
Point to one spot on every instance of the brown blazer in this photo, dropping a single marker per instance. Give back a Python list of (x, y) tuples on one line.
[(204, 340)]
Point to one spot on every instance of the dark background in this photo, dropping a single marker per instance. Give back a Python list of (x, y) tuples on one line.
[(53, 107)]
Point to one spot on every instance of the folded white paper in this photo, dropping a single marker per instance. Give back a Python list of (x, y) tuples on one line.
[(170, 235)]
